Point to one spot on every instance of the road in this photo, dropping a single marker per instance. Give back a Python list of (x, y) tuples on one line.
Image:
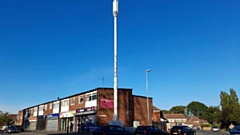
[(199, 132), (202, 132), (44, 133)]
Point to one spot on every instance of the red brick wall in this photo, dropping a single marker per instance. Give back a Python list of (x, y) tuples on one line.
[(123, 106), (140, 110), (156, 116), (77, 105), (48, 110), (31, 111), (19, 119)]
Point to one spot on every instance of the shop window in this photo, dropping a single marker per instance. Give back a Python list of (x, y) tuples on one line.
[(94, 96), (72, 100), (89, 97), (80, 99)]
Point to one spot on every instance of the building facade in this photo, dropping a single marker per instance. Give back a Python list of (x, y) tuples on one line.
[(175, 119), (94, 106)]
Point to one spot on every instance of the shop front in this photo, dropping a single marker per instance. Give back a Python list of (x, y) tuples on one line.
[(26, 122), (52, 122), (67, 121), (32, 123), (86, 118)]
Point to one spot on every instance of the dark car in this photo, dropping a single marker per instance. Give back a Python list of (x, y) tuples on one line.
[(235, 130), (88, 126), (20, 128), (182, 130), (110, 130), (11, 129), (148, 130)]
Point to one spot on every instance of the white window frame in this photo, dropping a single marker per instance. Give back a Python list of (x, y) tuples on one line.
[(94, 94), (79, 99), (41, 107), (89, 97), (45, 107), (56, 105), (65, 103), (72, 101), (50, 106), (35, 109)]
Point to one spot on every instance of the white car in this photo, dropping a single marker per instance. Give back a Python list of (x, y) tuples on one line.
[(214, 129)]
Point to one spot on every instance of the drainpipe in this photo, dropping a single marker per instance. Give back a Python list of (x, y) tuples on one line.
[(37, 117), (59, 111)]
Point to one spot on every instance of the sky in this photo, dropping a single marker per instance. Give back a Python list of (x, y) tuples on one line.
[(58, 48)]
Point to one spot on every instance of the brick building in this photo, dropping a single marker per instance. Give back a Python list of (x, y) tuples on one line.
[(93, 106)]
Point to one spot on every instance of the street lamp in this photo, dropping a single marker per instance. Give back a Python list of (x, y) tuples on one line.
[(148, 70)]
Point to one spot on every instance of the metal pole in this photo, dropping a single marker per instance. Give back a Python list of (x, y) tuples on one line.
[(67, 125), (147, 95), (103, 81), (115, 14)]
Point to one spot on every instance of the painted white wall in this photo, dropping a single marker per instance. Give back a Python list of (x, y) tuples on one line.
[(92, 102), (65, 105), (55, 107), (177, 120), (40, 111), (35, 111)]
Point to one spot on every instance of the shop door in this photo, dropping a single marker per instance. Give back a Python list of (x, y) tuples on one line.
[(52, 125), (33, 125)]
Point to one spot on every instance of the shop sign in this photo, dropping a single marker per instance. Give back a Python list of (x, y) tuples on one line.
[(106, 103), (32, 119), (52, 116), (67, 114), (103, 115), (87, 110), (93, 108)]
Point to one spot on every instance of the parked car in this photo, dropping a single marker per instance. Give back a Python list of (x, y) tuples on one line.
[(20, 128), (182, 130), (235, 130), (148, 130), (89, 126), (214, 129), (110, 130), (11, 129)]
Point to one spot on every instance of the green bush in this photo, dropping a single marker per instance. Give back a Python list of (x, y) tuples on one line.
[(205, 125)]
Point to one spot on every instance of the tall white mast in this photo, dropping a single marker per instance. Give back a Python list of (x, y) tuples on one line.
[(115, 14)]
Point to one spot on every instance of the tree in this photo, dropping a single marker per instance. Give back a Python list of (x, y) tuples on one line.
[(212, 114), (165, 111), (197, 109), (5, 119), (178, 109), (234, 104), (230, 108)]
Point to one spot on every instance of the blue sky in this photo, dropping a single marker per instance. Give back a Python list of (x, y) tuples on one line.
[(57, 48)]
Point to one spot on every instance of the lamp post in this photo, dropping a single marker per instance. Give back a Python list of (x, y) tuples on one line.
[(148, 70), (115, 14)]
